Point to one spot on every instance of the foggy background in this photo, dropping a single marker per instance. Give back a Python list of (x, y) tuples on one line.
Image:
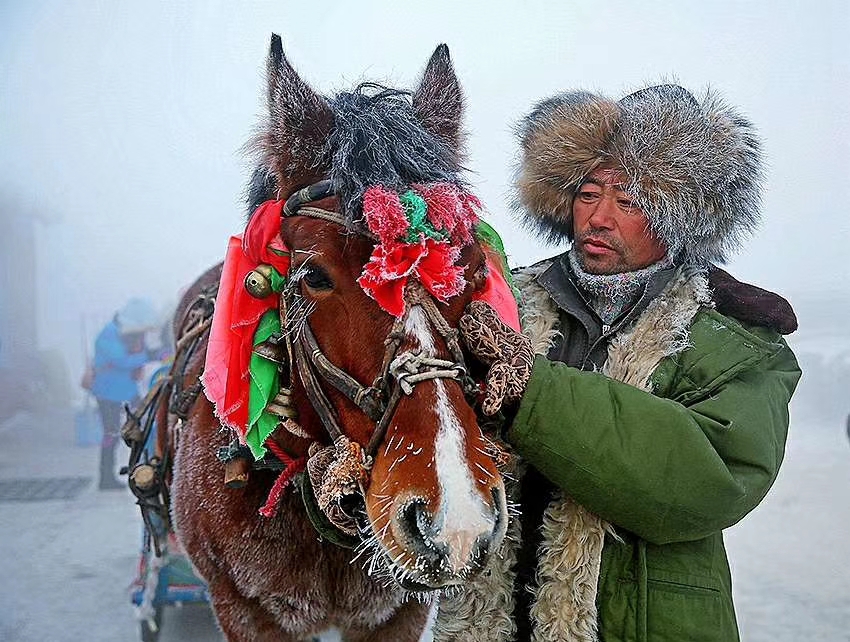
[(121, 125), (121, 122)]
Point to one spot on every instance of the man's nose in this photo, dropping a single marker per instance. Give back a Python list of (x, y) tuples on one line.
[(603, 214)]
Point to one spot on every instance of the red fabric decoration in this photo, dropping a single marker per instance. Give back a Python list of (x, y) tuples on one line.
[(293, 467), (392, 264), (237, 313), (451, 209), (497, 292), (384, 214)]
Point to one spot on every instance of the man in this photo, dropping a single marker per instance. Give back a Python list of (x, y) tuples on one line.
[(655, 412)]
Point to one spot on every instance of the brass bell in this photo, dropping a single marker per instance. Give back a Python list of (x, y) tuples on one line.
[(258, 281), (274, 352)]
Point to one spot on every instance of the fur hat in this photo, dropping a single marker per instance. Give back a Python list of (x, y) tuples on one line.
[(694, 168)]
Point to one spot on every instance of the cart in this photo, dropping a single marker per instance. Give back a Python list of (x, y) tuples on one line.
[(162, 581), (165, 575)]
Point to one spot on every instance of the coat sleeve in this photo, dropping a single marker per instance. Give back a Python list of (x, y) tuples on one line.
[(112, 354), (664, 470)]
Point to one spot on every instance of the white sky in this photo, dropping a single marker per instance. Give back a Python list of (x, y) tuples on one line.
[(121, 122)]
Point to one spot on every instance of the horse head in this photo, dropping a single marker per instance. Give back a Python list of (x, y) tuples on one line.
[(432, 507)]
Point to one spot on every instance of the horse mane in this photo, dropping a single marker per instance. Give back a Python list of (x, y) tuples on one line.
[(262, 187), (377, 139)]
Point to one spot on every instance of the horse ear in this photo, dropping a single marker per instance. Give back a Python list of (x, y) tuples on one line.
[(438, 101), (299, 121), (273, 65)]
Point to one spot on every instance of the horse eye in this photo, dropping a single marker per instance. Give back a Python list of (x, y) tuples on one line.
[(317, 279)]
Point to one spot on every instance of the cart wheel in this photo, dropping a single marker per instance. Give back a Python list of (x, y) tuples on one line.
[(150, 634)]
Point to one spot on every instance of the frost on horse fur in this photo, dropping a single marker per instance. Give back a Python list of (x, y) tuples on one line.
[(431, 510)]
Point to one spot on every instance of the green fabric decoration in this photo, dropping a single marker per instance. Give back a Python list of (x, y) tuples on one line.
[(264, 382), (490, 237), (263, 379), (416, 211), (277, 280)]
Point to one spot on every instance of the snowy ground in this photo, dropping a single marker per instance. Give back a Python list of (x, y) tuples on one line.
[(66, 565)]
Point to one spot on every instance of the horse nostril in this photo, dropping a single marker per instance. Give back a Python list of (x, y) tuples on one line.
[(416, 521)]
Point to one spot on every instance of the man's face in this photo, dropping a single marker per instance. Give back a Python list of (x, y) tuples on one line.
[(610, 233)]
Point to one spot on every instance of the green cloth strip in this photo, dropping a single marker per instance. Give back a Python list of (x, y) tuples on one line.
[(264, 384), (485, 234), (264, 379)]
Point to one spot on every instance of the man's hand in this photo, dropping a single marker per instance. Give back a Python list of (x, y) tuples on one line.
[(508, 353)]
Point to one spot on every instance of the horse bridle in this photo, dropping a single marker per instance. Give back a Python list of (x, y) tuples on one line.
[(405, 370), (377, 401)]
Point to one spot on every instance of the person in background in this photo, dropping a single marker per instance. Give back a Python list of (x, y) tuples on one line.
[(649, 395), (120, 353)]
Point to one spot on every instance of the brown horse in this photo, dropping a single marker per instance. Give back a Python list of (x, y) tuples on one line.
[(433, 503)]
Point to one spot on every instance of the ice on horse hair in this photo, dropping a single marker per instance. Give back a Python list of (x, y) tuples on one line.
[(339, 403)]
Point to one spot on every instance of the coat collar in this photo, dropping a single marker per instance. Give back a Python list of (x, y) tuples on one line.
[(560, 282)]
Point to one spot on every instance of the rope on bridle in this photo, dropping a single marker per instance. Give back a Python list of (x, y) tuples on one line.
[(292, 466), (410, 368)]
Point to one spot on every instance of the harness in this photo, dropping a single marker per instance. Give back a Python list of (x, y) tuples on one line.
[(149, 464), (295, 348), (400, 372)]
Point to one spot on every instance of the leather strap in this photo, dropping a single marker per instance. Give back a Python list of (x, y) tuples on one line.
[(365, 398)]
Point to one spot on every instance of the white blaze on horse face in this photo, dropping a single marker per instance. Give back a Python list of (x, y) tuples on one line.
[(462, 515)]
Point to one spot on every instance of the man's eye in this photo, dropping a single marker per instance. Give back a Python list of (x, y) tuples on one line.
[(588, 196), (317, 279), (626, 204)]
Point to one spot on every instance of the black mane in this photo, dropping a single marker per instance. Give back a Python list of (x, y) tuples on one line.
[(376, 140)]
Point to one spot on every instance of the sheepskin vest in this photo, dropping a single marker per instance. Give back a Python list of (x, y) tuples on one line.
[(564, 604)]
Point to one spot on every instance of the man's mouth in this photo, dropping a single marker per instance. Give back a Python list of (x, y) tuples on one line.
[(596, 246)]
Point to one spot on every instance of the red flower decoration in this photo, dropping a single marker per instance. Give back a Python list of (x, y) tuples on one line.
[(391, 265)]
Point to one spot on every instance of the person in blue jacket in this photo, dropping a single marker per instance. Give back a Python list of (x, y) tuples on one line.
[(120, 353)]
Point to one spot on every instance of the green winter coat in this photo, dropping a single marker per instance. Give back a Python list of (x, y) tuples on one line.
[(670, 470)]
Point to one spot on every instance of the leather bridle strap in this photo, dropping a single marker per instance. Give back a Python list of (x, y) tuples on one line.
[(321, 404), (314, 192), (365, 398)]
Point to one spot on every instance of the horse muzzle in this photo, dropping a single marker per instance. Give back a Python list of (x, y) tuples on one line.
[(445, 554)]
